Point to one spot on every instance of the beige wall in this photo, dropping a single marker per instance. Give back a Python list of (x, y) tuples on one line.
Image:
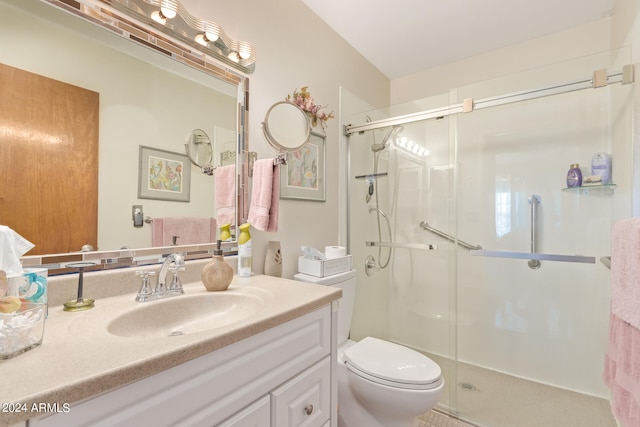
[(295, 49), (626, 27), (576, 42)]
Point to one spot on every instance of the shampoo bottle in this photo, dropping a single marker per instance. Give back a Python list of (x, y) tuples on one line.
[(574, 176), (217, 274), (244, 251)]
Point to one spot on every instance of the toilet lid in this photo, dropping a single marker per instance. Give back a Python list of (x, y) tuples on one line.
[(392, 363)]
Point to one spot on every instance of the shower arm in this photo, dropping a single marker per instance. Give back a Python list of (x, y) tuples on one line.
[(425, 226)]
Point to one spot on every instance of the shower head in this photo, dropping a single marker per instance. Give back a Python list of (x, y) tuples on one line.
[(395, 130)]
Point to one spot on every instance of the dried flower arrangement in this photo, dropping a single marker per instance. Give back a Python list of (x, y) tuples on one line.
[(303, 99)]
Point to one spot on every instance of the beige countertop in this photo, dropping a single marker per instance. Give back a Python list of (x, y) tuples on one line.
[(80, 359)]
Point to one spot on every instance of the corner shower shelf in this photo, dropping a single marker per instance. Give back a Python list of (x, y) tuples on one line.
[(586, 190)]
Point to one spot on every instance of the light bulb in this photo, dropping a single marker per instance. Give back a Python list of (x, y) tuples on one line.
[(211, 36), (202, 39), (245, 53), (167, 12), (234, 56), (158, 17), (245, 50)]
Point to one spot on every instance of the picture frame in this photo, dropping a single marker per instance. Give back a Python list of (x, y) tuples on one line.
[(163, 175), (303, 176)]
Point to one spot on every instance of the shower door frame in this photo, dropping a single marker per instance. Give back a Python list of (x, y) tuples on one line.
[(600, 78)]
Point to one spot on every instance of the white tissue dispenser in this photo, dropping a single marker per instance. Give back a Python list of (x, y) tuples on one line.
[(326, 267)]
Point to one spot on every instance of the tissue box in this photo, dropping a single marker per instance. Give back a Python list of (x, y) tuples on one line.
[(31, 286), (322, 268), (22, 330)]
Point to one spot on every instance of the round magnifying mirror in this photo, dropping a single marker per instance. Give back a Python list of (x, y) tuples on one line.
[(198, 147), (286, 126)]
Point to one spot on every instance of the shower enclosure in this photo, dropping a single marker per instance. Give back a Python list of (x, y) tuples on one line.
[(470, 248)]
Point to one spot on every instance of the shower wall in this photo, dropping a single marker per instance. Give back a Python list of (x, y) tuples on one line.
[(549, 324)]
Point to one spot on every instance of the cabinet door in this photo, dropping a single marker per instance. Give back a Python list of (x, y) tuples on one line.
[(258, 414), (305, 400)]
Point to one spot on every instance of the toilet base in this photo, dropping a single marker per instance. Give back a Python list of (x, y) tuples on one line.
[(352, 414)]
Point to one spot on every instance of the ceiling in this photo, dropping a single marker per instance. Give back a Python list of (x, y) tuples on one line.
[(402, 37)]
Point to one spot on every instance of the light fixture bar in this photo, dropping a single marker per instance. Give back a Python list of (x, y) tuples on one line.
[(173, 19)]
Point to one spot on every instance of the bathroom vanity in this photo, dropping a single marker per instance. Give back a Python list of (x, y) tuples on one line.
[(267, 358)]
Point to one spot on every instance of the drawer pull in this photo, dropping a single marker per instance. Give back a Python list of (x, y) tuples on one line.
[(308, 409)]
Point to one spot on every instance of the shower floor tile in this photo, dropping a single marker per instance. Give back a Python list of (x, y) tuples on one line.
[(436, 419), (493, 399)]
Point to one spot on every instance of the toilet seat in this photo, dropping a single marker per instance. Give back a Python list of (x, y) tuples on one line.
[(391, 364)]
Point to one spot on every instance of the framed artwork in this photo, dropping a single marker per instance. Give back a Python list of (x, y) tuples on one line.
[(303, 176), (163, 175)]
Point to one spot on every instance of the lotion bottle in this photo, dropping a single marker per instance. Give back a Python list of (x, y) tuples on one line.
[(601, 165), (244, 251), (217, 274)]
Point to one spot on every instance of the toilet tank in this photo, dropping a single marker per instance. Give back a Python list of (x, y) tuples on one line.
[(345, 281)]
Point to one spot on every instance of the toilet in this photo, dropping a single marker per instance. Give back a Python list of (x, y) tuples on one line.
[(380, 384)]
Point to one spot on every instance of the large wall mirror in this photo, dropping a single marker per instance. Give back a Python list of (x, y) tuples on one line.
[(146, 98)]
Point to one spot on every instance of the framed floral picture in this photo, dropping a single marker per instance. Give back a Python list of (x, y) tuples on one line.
[(304, 174), (163, 175)]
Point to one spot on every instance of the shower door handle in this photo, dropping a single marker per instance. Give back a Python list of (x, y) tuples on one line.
[(534, 201)]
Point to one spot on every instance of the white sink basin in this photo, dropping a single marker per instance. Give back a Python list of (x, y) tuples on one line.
[(186, 314)]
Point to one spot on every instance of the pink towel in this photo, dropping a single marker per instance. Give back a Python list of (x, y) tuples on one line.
[(625, 270), (265, 196), (226, 194), (622, 371), (189, 231)]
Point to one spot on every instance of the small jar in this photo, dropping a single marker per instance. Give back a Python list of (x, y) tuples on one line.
[(574, 176)]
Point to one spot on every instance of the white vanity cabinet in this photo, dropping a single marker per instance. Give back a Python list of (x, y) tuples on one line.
[(284, 376)]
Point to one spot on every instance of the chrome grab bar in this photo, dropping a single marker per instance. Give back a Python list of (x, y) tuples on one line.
[(424, 247), (425, 226), (534, 201)]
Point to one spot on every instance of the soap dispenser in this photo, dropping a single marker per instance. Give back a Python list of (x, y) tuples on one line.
[(217, 274)]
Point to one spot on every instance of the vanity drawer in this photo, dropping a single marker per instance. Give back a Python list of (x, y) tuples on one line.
[(304, 400)]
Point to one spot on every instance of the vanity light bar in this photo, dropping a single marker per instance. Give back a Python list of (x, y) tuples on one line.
[(172, 18)]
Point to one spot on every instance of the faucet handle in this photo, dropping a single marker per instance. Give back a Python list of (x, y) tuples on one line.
[(178, 261), (145, 293), (176, 284)]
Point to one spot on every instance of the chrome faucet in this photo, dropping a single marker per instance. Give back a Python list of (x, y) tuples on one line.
[(162, 290)]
